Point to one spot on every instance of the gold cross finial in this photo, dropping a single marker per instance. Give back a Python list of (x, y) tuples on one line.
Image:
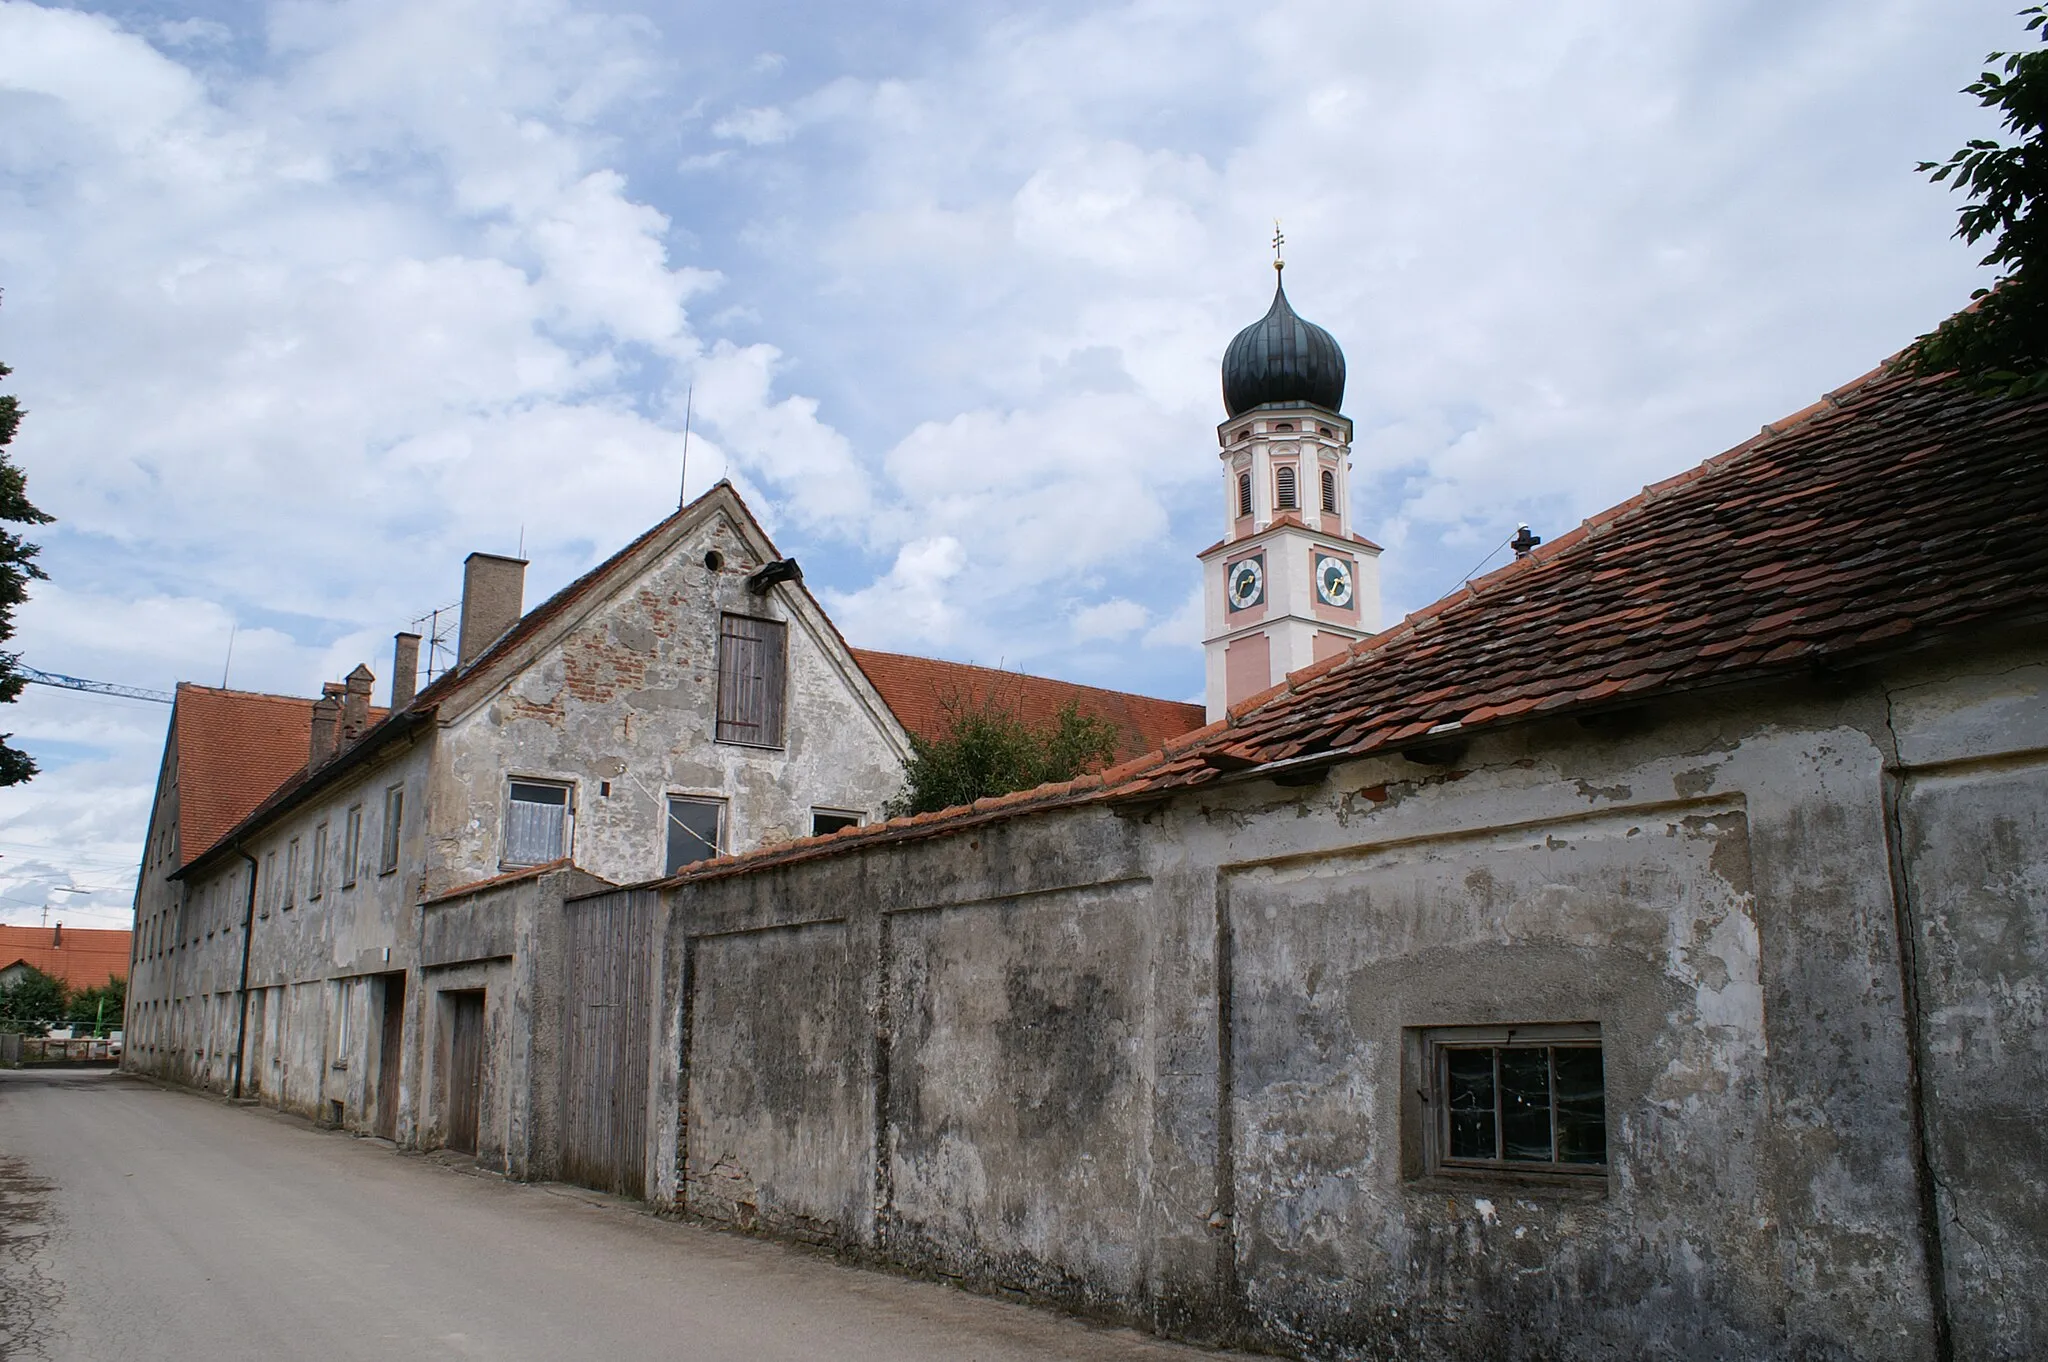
[(1279, 240)]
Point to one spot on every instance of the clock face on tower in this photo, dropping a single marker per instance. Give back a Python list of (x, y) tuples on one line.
[(1247, 582), (1333, 581)]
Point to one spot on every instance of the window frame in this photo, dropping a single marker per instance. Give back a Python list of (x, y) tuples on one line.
[(1438, 1043), (854, 818), (1329, 486), (1244, 494), (392, 834), (291, 875), (668, 819), (567, 788), (722, 726), (1286, 488), (351, 844), (267, 895), (318, 868)]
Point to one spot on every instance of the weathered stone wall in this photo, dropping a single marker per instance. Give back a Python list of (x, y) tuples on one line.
[(1974, 818), (620, 707), (623, 709), (1162, 1062), (312, 953)]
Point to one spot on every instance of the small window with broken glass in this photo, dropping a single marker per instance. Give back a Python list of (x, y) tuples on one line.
[(696, 830), (536, 823), (1517, 1099)]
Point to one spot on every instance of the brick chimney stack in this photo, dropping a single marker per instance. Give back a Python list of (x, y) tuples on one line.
[(493, 592), (355, 704), (405, 669), (326, 724)]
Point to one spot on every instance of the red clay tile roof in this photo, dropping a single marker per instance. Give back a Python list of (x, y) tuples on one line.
[(925, 693), (83, 957), (234, 748), (1892, 513)]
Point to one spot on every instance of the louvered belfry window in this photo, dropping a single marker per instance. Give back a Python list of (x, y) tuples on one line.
[(1283, 483), (1244, 494), (752, 671), (1330, 491)]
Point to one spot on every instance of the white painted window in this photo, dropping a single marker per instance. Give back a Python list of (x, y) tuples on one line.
[(825, 821), (536, 822)]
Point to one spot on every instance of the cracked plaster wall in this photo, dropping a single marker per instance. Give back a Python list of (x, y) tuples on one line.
[(1159, 1063)]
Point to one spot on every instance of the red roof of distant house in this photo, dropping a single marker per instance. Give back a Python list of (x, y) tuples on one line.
[(926, 694), (83, 957), (1890, 515)]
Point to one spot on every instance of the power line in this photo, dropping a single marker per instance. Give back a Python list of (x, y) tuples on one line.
[(43, 678)]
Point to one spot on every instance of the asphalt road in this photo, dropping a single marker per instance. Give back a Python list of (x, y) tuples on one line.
[(137, 1222)]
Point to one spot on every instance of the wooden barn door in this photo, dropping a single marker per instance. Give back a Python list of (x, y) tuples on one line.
[(390, 1054), (465, 1069), (608, 1006)]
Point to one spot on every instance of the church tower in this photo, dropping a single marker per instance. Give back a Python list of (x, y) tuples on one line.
[(1289, 584)]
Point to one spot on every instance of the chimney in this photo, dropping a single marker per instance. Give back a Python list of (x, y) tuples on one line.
[(355, 704), (326, 724), (493, 589), (405, 669), (57, 937)]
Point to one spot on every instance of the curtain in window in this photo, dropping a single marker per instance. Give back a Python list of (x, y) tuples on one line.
[(535, 821)]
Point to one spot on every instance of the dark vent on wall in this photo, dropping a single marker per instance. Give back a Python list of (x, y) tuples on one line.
[(1329, 491), (1283, 484), (1244, 494)]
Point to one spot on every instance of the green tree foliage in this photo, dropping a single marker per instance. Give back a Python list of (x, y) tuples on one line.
[(33, 1003), (97, 1011), (988, 749), (2000, 343), (17, 568)]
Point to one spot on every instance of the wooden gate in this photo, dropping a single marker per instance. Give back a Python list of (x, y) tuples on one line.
[(390, 1054), (465, 1069), (608, 1008)]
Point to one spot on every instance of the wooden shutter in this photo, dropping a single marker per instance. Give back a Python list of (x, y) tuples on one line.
[(752, 663)]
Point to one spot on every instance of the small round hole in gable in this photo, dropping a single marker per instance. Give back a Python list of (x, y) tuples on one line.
[(714, 560)]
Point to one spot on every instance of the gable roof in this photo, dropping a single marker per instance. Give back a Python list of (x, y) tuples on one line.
[(926, 693), (234, 748), (83, 957), (298, 784), (1895, 511)]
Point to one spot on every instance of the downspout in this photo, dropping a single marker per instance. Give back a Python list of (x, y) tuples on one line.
[(242, 990)]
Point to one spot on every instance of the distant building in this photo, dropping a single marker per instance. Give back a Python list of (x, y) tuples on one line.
[(80, 957), (307, 927)]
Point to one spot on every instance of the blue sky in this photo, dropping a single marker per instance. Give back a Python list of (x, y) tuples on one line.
[(308, 300)]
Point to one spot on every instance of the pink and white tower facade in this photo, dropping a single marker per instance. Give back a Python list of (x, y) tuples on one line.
[(1289, 584)]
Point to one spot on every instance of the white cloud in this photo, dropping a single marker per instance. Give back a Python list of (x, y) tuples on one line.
[(1112, 619), (909, 604), (756, 127)]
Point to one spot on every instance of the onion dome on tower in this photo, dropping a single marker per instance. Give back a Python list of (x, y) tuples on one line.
[(1281, 360)]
